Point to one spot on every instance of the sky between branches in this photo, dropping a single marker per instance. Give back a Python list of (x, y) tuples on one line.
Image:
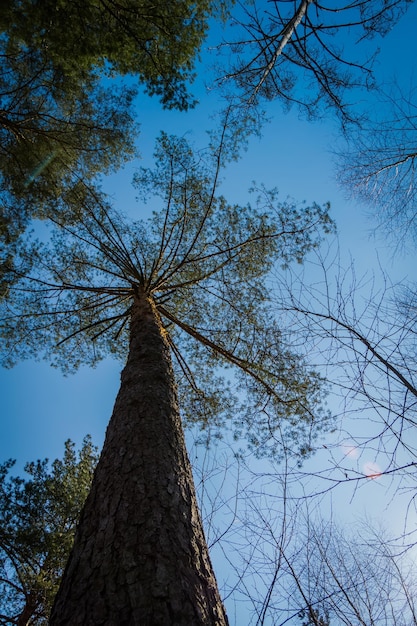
[(41, 408)]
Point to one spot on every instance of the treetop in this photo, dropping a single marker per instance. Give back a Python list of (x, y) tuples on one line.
[(205, 263)]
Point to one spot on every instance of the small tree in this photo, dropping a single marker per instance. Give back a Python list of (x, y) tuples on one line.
[(351, 576), (38, 516), (190, 284)]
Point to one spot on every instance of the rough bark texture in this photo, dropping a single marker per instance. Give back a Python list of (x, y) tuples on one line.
[(140, 555)]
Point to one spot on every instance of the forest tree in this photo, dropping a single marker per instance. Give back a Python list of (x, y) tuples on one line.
[(185, 291), (69, 75), (38, 514)]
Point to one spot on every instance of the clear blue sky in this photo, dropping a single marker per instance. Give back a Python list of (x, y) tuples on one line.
[(40, 408)]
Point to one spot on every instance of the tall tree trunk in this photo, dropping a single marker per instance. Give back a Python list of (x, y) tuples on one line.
[(140, 555)]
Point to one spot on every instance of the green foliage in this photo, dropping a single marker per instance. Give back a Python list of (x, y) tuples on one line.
[(38, 516), (65, 114), (207, 266), (157, 41)]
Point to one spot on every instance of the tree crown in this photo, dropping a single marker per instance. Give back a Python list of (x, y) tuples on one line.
[(205, 263)]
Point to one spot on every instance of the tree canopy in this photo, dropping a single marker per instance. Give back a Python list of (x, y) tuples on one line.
[(65, 115), (38, 516), (156, 41), (204, 263)]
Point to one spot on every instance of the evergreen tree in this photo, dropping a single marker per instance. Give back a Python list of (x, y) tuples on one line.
[(188, 284), (38, 516), (63, 114)]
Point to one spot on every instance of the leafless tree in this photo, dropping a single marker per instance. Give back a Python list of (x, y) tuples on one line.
[(380, 165), (290, 560), (306, 52), (361, 333)]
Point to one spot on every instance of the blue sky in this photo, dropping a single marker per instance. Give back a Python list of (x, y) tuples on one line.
[(41, 408)]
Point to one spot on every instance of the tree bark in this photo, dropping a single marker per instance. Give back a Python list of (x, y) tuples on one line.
[(140, 556)]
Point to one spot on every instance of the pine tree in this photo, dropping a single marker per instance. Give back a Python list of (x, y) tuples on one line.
[(38, 516), (66, 113), (183, 296)]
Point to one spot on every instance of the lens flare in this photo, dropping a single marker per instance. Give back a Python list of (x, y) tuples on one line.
[(38, 170), (350, 450), (372, 470)]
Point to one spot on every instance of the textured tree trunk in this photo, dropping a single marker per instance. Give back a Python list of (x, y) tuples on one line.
[(140, 555)]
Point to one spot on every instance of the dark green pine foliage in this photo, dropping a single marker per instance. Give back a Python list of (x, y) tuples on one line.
[(38, 516), (157, 41), (206, 265), (65, 115)]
